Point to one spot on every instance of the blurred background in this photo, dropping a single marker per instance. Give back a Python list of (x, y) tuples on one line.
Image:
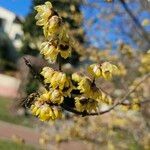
[(112, 30)]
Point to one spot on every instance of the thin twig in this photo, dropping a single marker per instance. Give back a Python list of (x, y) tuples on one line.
[(36, 74), (59, 62), (135, 20)]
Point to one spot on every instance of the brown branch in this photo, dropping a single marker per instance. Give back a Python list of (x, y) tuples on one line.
[(141, 103), (59, 59), (33, 71), (36, 74), (114, 106)]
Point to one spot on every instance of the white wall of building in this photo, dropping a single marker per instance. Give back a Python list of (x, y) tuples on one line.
[(12, 28)]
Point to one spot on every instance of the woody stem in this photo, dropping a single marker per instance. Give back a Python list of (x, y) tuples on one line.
[(59, 62)]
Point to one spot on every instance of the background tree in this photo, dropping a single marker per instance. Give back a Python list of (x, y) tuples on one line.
[(119, 21)]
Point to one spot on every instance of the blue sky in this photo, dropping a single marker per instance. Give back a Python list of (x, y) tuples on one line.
[(19, 7)]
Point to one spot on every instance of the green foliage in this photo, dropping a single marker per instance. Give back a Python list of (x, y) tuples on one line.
[(8, 54), (32, 86), (8, 145), (6, 115)]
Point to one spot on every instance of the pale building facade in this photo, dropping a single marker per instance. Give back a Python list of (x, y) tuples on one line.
[(11, 24)]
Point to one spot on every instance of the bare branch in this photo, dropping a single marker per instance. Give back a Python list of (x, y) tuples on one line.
[(135, 20), (36, 74)]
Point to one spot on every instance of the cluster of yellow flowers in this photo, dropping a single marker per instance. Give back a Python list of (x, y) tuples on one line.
[(91, 94), (44, 111), (145, 63), (86, 86), (57, 41), (105, 70), (84, 104), (58, 81), (58, 85)]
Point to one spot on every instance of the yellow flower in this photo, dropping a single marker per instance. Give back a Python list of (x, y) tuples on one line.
[(58, 80), (125, 107), (47, 73), (84, 85), (146, 58), (49, 51), (108, 70), (52, 27), (85, 104), (94, 93), (59, 41), (65, 53), (136, 104), (65, 44), (136, 107), (45, 112), (44, 13), (105, 70), (68, 87), (145, 63), (57, 112), (35, 108), (105, 99), (45, 96), (95, 70), (56, 96), (146, 22), (76, 77), (58, 138)]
